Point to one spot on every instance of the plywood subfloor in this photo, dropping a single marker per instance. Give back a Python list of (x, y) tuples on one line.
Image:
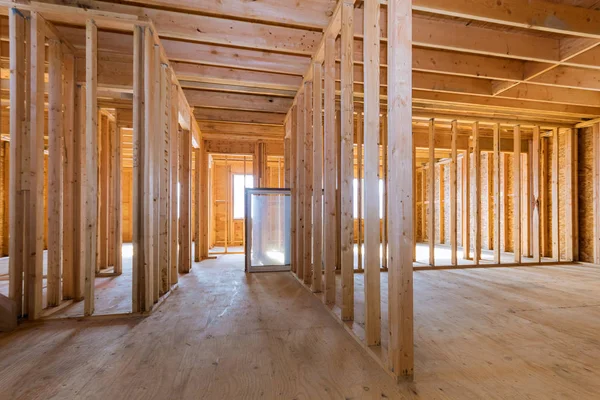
[(502, 333)]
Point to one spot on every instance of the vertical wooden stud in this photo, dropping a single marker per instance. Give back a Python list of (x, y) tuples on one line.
[(431, 195), (308, 180), (317, 207), (555, 198), (453, 196), (300, 184), (535, 197), (330, 173), (497, 191), (517, 194)]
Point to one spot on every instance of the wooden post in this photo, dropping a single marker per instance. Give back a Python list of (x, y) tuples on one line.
[(555, 198), (431, 208), (186, 206), (68, 211), (490, 195), (497, 190), (293, 184), (347, 160), (544, 169), (371, 162), (442, 205), (197, 218), (55, 163), (142, 256), (466, 205), (204, 203), (79, 227), (453, 196), (358, 126), (308, 180), (117, 198), (317, 207), (400, 230), (414, 202), (174, 181), (330, 173), (535, 196), (570, 190), (384, 235), (153, 119), (103, 191), (477, 193), (517, 194), (596, 189), (18, 168), (300, 185), (91, 172), (163, 162)]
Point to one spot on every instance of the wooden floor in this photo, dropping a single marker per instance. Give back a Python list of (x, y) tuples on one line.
[(519, 333)]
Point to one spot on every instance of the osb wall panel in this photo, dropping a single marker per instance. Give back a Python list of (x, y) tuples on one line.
[(585, 198)]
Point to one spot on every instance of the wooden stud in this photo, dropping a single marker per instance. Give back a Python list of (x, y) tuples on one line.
[(174, 182), (466, 205), (400, 230), (91, 172), (186, 206), (535, 196), (497, 191), (544, 220), (55, 163), (204, 210), (79, 192), (384, 235), (117, 198), (442, 203), (317, 206), (414, 202), (477, 193), (330, 172), (555, 198), (490, 201), (153, 118), (596, 189), (103, 192), (18, 169), (164, 135), (347, 161), (431, 208), (293, 184), (570, 198), (454, 196), (300, 184), (197, 218), (504, 213), (371, 178), (517, 194), (308, 180), (141, 289), (358, 126)]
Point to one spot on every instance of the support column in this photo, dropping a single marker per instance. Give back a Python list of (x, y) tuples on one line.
[(79, 227), (330, 198), (164, 175), (174, 182), (91, 171), (300, 185), (347, 160), (453, 197), (466, 205), (293, 185), (186, 206), (570, 193), (104, 193), (400, 231), (497, 190), (117, 198), (308, 180), (517, 194), (371, 167), (317, 206), (477, 193), (431, 208), (18, 159), (197, 194), (535, 197), (55, 173), (555, 199)]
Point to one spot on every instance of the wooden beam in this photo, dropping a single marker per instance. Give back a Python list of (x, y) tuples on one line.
[(453, 197), (477, 194), (317, 205), (400, 230), (330, 172), (371, 176), (535, 196), (517, 195), (497, 192), (431, 195), (18, 166), (347, 162), (237, 101), (55, 164), (91, 172), (555, 198)]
